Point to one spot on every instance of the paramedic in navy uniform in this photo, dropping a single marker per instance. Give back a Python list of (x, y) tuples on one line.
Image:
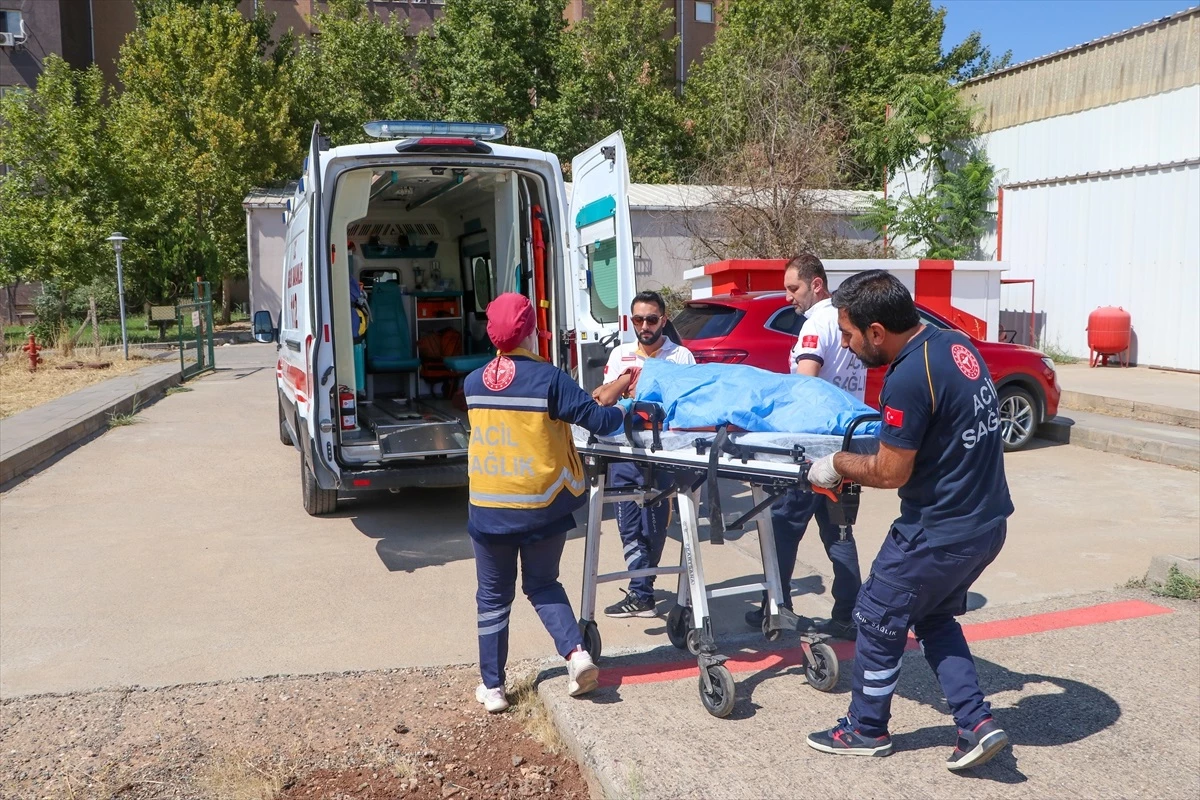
[(525, 479), (940, 445), (818, 352)]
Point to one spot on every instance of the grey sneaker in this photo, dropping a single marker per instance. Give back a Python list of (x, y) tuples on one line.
[(978, 746)]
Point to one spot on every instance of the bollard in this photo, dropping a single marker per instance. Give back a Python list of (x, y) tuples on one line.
[(32, 348)]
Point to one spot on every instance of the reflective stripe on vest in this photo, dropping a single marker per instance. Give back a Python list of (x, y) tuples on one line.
[(520, 458)]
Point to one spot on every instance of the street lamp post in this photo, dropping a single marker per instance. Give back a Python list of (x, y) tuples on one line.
[(117, 240)]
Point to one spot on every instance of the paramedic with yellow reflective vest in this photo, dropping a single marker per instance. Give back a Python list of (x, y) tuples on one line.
[(526, 479)]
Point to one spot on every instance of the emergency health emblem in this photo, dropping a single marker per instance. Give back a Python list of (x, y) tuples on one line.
[(499, 373), (965, 360)]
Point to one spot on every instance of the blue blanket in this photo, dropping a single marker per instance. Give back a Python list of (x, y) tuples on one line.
[(707, 395)]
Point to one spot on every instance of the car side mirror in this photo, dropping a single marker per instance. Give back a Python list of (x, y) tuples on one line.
[(264, 328)]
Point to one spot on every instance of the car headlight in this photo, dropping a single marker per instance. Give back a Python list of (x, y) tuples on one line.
[(1049, 362)]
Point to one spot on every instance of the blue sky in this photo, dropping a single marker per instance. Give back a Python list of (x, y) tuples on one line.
[(1032, 28)]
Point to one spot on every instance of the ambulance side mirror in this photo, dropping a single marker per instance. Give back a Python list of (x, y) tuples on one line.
[(264, 328)]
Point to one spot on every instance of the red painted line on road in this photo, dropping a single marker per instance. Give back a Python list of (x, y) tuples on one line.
[(978, 632)]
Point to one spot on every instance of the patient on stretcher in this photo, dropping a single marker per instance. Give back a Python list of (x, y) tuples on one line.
[(704, 396)]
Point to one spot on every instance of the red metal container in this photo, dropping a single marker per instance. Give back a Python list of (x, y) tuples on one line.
[(1109, 331)]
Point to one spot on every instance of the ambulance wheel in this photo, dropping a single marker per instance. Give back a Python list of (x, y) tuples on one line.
[(679, 623), (718, 702), (317, 501), (284, 436), (771, 635), (822, 673), (591, 639)]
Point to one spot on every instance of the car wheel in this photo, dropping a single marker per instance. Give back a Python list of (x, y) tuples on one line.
[(284, 435), (1018, 417)]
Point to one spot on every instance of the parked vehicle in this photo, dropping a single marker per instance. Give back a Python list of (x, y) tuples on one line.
[(759, 329), (422, 227)]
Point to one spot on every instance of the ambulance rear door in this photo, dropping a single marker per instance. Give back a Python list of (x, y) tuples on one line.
[(601, 262)]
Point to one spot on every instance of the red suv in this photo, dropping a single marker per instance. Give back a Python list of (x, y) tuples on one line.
[(759, 329)]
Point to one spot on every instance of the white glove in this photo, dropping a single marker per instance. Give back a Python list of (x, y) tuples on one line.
[(822, 473)]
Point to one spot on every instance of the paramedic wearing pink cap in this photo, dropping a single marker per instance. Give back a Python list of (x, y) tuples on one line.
[(526, 479)]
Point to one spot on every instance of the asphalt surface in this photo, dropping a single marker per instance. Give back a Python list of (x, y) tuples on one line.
[(176, 550)]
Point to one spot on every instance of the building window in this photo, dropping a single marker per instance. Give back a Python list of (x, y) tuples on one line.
[(704, 12), (10, 22)]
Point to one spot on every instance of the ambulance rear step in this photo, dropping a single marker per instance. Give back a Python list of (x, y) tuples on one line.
[(405, 430)]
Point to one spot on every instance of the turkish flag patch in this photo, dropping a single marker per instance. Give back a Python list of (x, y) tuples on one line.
[(808, 341), (893, 417)]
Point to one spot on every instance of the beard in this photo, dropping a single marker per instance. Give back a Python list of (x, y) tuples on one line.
[(649, 337), (870, 356)]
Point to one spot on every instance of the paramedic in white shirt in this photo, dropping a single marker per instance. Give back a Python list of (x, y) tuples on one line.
[(818, 352), (643, 530)]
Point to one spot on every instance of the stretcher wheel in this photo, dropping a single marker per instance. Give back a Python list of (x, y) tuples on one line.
[(591, 639), (822, 673), (693, 641), (679, 625), (719, 702), (769, 633)]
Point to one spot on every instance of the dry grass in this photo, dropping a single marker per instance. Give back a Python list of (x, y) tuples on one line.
[(243, 776), (528, 707), (21, 389)]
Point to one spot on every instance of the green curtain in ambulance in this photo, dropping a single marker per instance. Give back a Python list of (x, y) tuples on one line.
[(602, 289)]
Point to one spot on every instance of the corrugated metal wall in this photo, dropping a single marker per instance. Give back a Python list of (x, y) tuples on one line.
[(1145, 61), (1130, 241)]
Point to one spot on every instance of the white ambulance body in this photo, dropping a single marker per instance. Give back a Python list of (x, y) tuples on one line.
[(441, 220)]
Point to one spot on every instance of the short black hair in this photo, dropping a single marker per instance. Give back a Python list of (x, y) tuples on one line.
[(807, 268), (650, 297), (877, 296)]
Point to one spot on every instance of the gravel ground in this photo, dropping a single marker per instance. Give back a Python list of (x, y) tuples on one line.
[(406, 733)]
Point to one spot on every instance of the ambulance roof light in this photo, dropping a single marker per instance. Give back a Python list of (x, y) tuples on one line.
[(401, 129)]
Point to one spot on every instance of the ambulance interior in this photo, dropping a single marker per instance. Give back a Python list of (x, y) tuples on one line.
[(429, 247)]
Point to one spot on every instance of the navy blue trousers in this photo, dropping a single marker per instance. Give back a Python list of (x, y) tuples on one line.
[(914, 585), (790, 516), (496, 571), (643, 529)]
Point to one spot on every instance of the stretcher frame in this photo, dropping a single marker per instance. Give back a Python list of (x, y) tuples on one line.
[(689, 623)]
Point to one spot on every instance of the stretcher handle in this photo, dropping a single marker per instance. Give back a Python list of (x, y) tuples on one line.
[(655, 415), (854, 423)]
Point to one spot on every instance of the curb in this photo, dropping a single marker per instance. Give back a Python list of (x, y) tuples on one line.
[(1131, 409), (17, 465), (1160, 452), (600, 784), (1161, 564)]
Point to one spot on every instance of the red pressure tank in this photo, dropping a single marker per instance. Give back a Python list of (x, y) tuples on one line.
[(1109, 329)]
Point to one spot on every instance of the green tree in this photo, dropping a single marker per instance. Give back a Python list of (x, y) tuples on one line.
[(57, 200), (493, 61), (361, 67), (616, 72), (204, 117), (875, 46), (942, 189)]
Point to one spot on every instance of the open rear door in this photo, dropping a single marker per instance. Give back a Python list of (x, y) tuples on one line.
[(325, 468), (601, 242)]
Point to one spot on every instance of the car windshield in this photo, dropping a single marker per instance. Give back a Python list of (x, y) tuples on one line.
[(706, 321)]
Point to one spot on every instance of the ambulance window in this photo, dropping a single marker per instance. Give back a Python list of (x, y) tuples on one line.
[(481, 273), (602, 288)]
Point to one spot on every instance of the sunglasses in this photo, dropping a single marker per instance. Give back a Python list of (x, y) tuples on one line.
[(651, 320)]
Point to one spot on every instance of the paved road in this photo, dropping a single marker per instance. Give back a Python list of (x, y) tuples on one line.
[(176, 550)]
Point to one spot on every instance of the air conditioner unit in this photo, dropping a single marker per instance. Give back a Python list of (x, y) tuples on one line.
[(7, 39)]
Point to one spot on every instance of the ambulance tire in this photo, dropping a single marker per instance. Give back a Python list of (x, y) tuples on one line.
[(823, 674), (591, 639), (317, 501), (284, 435), (718, 702)]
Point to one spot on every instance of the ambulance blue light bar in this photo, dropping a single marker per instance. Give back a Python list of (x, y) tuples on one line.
[(404, 129)]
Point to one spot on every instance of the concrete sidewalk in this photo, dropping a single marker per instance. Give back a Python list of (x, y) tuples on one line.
[(1083, 685), (1141, 393), (33, 437)]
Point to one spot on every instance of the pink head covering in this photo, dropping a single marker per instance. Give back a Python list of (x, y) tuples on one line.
[(510, 320)]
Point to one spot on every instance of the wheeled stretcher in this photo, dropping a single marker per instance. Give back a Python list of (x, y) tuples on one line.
[(770, 464)]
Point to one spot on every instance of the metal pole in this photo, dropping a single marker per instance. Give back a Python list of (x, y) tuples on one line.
[(121, 298)]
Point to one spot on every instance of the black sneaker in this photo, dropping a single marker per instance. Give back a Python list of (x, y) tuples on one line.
[(841, 739), (631, 606), (836, 628), (976, 747)]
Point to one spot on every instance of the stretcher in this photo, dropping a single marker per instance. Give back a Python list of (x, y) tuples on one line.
[(770, 464)]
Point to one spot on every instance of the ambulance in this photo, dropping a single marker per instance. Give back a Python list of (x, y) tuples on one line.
[(394, 249)]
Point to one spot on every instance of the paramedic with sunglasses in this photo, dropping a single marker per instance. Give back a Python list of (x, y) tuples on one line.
[(643, 530), (940, 445)]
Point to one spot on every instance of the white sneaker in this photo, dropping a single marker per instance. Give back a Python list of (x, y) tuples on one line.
[(582, 673), (493, 699)]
